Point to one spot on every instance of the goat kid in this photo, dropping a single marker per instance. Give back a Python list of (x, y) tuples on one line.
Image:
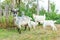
[(49, 23), (39, 18), (32, 24), (21, 21)]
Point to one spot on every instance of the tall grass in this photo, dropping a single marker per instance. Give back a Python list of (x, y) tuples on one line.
[(6, 22)]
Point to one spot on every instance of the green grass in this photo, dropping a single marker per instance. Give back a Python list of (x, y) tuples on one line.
[(5, 33), (38, 34)]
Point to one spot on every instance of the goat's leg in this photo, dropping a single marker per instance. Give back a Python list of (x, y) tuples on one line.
[(25, 27), (29, 28), (54, 27), (19, 30), (44, 26), (34, 27)]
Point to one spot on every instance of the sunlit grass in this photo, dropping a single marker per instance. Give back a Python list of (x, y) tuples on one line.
[(34, 34)]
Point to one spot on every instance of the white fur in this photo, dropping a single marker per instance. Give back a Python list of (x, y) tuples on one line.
[(21, 21), (49, 23), (39, 18), (32, 24)]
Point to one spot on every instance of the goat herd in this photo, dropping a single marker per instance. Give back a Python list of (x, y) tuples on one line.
[(26, 21)]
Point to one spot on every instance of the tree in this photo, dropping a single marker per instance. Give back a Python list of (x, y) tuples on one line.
[(48, 5), (1, 11), (38, 7)]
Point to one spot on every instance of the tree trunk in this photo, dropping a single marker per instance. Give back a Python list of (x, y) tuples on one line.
[(17, 1), (1, 12), (38, 7), (13, 2), (6, 11), (48, 5)]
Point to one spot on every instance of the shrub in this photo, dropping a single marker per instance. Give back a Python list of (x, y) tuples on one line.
[(2, 19), (10, 21), (2, 22), (58, 21), (6, 22)]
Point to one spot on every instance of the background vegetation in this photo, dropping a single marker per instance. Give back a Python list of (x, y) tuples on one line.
[(6, 16)]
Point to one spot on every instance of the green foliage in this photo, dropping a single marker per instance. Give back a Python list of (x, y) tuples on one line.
[(52, 7), (58, 21), (21, 8), (10, 21), (10, 18), (2, 19), (33, 9), (51, 16), (42, 11), (30, 11), (6, 2)]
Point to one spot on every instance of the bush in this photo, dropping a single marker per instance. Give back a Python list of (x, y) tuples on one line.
[(10, 21), (2, 22), (51, 16), (6, 22), (42, 11), (2, 19), (58, 21)]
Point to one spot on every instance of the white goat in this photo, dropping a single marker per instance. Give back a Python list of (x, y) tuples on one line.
[(32, 24), (21, 21), (49, 23), (39, 18)]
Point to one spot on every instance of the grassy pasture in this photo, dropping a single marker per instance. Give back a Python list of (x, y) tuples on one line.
[(35, 34)]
